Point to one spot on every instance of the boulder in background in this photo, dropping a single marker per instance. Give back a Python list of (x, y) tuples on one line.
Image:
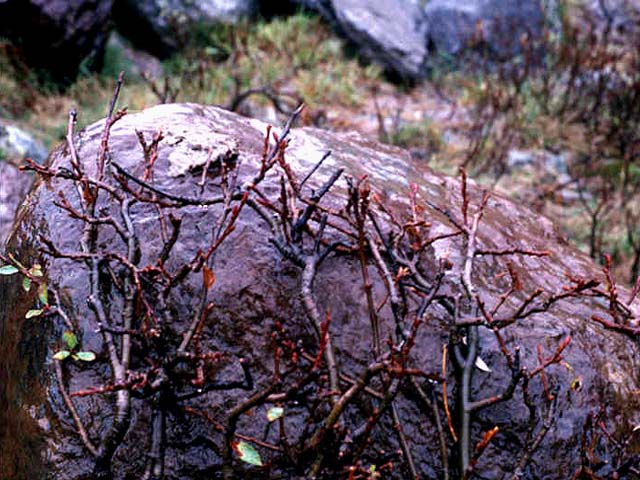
[(57, 36), (162, 26)]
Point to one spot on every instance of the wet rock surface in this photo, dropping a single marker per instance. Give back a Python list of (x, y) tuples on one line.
[(256, 288)]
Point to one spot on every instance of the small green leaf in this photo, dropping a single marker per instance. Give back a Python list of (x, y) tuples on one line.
[(33, 313), (8, 270), (43, 293), (247, 453), (70, 339), (26, 284), (275, 413), (61, 355), (85, 356), (36, 270)]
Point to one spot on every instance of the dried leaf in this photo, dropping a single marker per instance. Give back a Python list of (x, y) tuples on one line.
[(247, 453), (275, 413), (481, 365), (33, 313), (61, 355), (208, 277), (8, 270)]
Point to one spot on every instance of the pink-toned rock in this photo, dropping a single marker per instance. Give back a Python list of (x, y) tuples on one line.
[(14, 185), (255, 288)]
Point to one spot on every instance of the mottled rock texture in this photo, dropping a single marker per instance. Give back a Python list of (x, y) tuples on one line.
[(256, 288)]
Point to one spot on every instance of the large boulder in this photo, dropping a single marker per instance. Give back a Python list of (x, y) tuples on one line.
[(409, 37), (258, 301), (163, 27), (57, 36), (391, 32), (495, 25)]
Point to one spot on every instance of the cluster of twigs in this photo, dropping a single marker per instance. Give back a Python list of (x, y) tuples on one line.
[(596, 439), (196, 76), (153, 366), (581, 98)]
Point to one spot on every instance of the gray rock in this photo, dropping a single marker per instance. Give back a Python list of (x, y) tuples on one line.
[(410, 36), (454, 25), (161, 26), (14, 185), (58, 35), (544, 161), (16, 145), (393, 32), (136, 62), (256, 288)]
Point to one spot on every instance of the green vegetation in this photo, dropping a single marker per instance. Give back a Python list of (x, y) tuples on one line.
[(71, 349), (297, 57), (422, 134)]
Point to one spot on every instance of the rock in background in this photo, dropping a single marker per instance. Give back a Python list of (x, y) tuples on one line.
[(15, 146), (494, 25), (162, 26), (14, 186), (408, 37), (56, 36)]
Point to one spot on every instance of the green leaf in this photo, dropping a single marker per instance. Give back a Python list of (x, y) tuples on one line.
[(36, 270), (275, 413), (61, 355), (85, 356), (43, 293), (26, 284), (247, 453), (8, 270), (33, 313), (70, 339)]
